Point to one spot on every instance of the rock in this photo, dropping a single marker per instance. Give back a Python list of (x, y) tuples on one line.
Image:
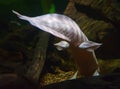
[(107, 66), (13, 81)]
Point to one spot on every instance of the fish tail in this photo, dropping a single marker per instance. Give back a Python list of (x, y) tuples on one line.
[(21, 16)]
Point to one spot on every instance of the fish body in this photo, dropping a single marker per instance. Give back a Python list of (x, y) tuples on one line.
[(65, 28), (58, 25), (86, 61)]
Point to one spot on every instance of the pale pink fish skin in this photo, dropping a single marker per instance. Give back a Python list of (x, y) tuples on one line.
[(61, 26), (58, 25)]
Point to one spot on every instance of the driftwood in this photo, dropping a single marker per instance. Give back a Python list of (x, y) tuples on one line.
[(100, 21)]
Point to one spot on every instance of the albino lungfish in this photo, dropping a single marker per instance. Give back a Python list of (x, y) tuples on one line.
[(65, 28)]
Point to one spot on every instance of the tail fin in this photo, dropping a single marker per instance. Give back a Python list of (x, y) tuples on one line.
[(21, 16)]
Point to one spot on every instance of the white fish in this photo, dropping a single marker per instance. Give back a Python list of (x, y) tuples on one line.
[(65, 28)]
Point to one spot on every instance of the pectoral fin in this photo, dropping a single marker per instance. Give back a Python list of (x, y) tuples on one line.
[(96, 73), (74, 76), (89, 45), (61, 45)]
